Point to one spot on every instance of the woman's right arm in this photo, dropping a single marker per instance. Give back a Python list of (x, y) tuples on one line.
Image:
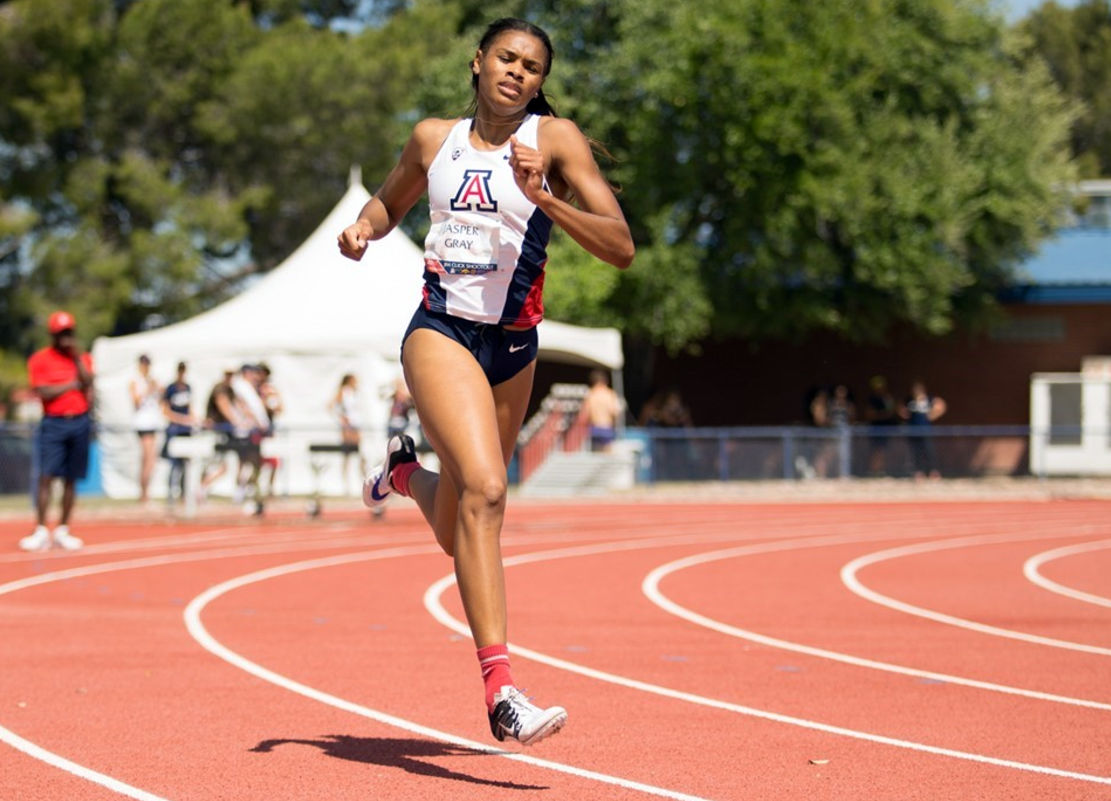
[(406, 182)]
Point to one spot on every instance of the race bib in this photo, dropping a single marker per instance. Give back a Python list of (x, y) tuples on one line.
[(465, 248)]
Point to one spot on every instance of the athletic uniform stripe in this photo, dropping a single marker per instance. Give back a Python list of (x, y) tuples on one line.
[(434, 298), (524, 303)]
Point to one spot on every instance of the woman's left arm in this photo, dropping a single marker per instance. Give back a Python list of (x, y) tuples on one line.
[(597, 222)]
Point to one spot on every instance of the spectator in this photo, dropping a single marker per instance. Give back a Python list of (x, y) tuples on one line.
[(345, 406), (842, 408), (177, 408), (401, 405), (818, 408), (272, 400), (882, 413), (834, 410), (602, 408), (247, 436), (222, 416), (62, 376), (666, 409), (920, 411), (146, 397)]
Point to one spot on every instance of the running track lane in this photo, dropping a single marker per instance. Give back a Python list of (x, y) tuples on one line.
[(319, 611)]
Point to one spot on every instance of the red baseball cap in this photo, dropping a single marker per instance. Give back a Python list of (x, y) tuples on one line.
[(60, 321)]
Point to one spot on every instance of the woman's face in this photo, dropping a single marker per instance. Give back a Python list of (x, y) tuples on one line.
[(511, 70)]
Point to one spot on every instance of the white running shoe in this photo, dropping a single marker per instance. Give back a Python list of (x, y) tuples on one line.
[(515, 717), (63, 539), (37, 540), (377, 487)]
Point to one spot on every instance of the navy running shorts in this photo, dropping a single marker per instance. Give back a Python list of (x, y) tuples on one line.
[(601, 436), (64, 446), (499, 351)]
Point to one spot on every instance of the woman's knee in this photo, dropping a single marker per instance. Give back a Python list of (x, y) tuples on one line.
[(485, 493)]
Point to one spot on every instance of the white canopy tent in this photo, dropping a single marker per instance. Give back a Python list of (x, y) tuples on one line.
[(312, 319)]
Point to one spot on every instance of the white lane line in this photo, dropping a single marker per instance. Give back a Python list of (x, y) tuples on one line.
[(60, 762), (221, 536), (176, 558), (769, 525), (115, 785), (432, 602), (196, 628), (651, 588), (1032, 570), (849, 578)]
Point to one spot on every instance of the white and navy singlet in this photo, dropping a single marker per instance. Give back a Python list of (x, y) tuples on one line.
[(484, 255)]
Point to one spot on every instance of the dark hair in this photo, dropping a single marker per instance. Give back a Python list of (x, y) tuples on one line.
[(539, 104)]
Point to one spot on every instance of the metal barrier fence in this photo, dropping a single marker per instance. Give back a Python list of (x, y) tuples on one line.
[(720, 454), (311, 461), (16, 454), (798, 452)]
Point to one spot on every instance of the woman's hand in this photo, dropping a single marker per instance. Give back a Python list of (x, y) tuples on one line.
[(528, 169), (354, 239)]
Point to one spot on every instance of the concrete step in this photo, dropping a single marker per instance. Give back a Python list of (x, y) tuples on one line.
[(581, 473)]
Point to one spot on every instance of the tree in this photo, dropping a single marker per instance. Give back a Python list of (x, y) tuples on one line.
[(155, 154), (1076, 44), (837, 166)]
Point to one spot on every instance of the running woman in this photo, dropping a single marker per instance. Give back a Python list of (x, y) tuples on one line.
[(496, 181)]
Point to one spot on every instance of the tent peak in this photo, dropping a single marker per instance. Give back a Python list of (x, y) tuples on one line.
[(355, 175)]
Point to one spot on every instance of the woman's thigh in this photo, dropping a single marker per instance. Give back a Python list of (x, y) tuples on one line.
[(460, 412), (455, 405)]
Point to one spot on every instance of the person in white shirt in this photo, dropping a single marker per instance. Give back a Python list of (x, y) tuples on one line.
[(345, 407), (146, 400)]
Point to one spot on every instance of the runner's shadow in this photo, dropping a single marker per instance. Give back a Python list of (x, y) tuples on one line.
[(396, 753)]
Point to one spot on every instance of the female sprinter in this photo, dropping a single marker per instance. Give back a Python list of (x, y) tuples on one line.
[(496, 182)]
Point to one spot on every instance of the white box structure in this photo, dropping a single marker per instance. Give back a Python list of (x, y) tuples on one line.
[(1070, 421)]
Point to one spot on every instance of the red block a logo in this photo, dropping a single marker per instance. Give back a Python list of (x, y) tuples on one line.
[(474, 193)]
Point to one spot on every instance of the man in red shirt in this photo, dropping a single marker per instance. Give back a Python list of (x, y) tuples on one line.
[(62, 376)]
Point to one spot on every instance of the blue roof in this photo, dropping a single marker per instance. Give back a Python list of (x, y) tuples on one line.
[(1074, 266), (1072, 256)]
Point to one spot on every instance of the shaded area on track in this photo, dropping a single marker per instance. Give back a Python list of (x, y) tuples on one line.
[(395, 752)]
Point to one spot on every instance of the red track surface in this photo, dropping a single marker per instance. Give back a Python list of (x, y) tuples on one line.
[(795, 655)]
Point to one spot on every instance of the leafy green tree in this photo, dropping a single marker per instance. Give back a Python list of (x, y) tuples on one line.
[(154, 154), (838, 166), (1076, 44)]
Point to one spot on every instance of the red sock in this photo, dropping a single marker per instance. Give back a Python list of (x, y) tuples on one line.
[(494, 660), (399, 478)]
